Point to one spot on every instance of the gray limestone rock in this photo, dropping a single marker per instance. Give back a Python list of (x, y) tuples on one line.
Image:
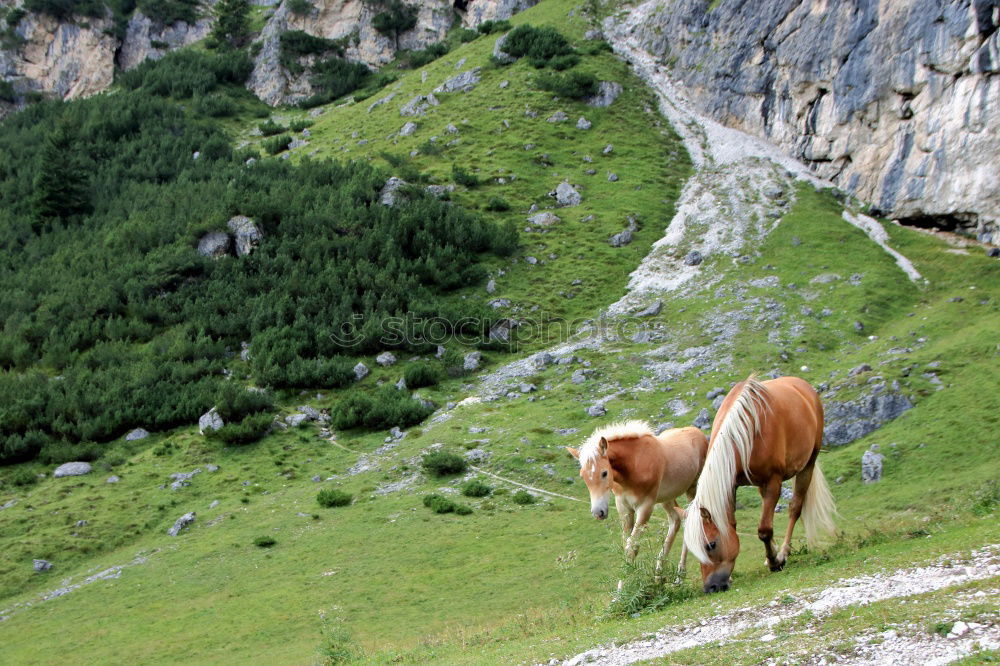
[(138, 433), (472, 360), (385, 359), (360, 371), (390, 196), (566, 195), (181, 523), (246, 234), (72, 469), (871, 465), (210, 421), (464, 82), (606, 94), (583, 124), (544, 219), (214, 244)]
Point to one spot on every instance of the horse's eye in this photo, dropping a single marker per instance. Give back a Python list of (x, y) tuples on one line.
[(711, 545), (604, 474)]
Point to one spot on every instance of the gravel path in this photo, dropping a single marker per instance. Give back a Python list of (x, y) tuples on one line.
[(861, 590)]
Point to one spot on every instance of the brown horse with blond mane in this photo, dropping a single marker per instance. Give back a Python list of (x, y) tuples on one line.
[(764, 433), (642, 470)]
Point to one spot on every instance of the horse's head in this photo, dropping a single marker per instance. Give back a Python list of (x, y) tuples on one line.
[(597, 474), (717, 552)]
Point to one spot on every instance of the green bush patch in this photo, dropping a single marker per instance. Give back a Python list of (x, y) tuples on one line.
[(334, 497), (476, 488), (441, 504), (523, 497), (442, 463), (264, 541)]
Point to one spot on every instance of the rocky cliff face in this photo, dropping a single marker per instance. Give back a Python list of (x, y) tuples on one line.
[(337, 19), (59, 59), (145, 38), (895, 101), (67, 59), (478, 11)]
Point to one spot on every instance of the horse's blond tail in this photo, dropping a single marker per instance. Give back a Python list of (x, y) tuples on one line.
[(818, 510)]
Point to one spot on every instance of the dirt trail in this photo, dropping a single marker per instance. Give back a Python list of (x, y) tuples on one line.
[(861, 590)]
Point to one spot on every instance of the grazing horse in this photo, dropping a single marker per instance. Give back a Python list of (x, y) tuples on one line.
[(642, 470), (764, 433)]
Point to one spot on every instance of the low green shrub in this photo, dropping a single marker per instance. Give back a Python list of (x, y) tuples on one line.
[(264, 541), (565, 61), (497, 204), (234, 401), (388, 407), (216, 106), (277, 144), (427, 55), (333, 497), (270, 128), (240, 433), (430, 148), (538, 45), (299, 125), (299, 7), (489, 27), (23, 477), (523, 497), (418, 375), (442, 463), (441, 504), (476, 488), (463, 177), (465, 35), (574, 85)]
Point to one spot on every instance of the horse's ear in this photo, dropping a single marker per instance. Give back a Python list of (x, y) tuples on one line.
[(573, 452), (602, 446), (705, 514)]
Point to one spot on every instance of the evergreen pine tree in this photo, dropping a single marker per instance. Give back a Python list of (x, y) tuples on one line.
[(232, 22), (60, 184)]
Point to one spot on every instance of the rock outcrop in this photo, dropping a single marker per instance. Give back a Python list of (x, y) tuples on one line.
[(60, 59), (350, 21), (67, 59), (148, 39), (477, 11), (895, 101)]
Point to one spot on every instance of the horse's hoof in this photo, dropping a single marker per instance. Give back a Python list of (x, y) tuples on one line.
[(679, 580), (776, 566)]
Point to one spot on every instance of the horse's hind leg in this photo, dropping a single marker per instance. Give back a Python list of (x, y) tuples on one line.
[(802, 481), (765, 531), (668, 542)]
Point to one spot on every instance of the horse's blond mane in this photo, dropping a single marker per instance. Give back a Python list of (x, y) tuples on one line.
[(735, 435), (621, 430)]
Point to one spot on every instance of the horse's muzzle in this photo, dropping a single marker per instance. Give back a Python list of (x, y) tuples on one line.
[(600, 514), (717, 582)]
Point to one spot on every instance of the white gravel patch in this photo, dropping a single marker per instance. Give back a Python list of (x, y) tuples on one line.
[(861, 591), (878, 234)]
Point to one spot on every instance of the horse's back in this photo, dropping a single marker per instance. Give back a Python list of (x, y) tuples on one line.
[(684, 450), (688, 437), (792, 426)]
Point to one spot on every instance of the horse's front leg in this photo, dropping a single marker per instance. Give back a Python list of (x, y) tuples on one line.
[(626, 514), (765, 531), (674, 520), (642, 514)]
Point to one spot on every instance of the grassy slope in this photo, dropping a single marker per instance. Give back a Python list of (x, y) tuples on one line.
[(489, 586)]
